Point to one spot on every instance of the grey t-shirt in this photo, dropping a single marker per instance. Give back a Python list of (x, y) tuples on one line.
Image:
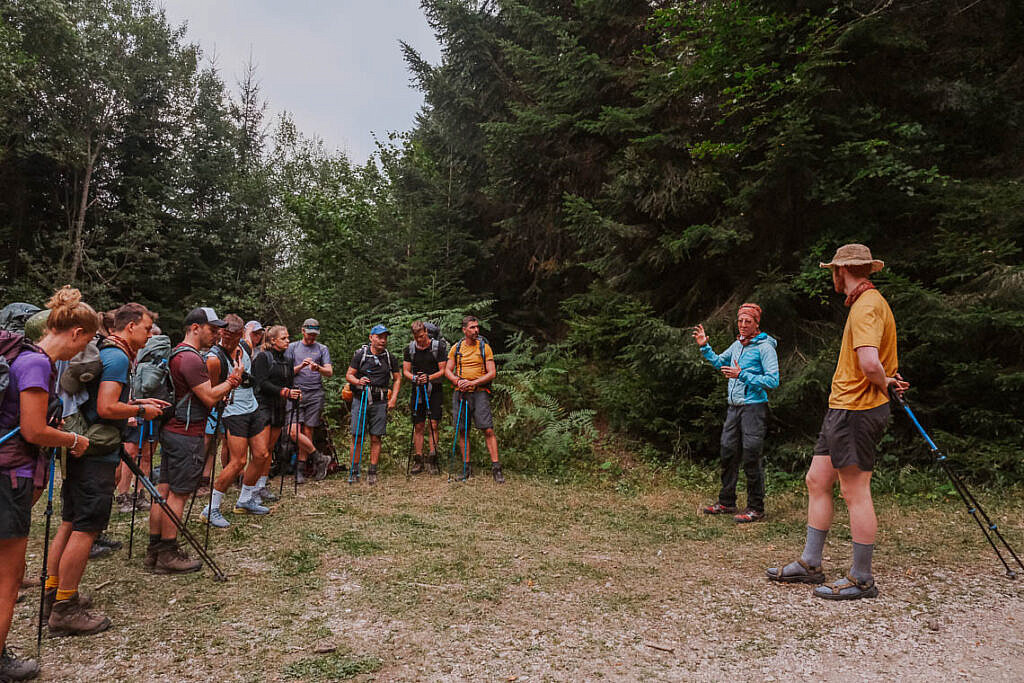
[(308, 379)]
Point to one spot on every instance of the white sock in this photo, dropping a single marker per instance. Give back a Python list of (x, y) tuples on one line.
[(246, 493), (261, 483), (217, 497)]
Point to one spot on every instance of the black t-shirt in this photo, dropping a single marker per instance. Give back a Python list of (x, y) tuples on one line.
[(379, 368), (423, 359)]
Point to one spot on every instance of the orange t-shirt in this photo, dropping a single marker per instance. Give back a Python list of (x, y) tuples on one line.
[(470, 365), (870, 323)]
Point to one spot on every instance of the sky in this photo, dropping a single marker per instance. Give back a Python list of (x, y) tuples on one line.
[(335, 65)]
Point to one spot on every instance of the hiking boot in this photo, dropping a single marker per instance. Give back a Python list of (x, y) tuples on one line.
[(353, 475), (108, 542), (50, 597), (322, 461), (499, 478), (216, 518), (70, 618), (124, 503), (749, 515), (142, 502), (250, 507), (152, 550), (98, 550), (267, 496), (432, 465), (719, 509), (170, 560), (14, 669), (417, 465), (466, 473), (371, 475), (300, 476)]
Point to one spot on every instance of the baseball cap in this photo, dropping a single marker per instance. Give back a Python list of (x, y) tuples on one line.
[(254, 326), (380, 329), (204, 315), (312, 324)]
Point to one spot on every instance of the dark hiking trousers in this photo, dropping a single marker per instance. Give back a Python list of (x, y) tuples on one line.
[(743, 435)]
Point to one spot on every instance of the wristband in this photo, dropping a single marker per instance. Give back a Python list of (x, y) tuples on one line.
[(74, 444)]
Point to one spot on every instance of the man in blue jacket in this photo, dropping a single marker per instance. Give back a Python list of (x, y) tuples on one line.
[(752, 367)]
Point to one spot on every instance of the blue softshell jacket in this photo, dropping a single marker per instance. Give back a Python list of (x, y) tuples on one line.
[(759, 369)]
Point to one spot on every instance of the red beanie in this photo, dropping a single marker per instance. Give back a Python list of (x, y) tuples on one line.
[(753, 310)]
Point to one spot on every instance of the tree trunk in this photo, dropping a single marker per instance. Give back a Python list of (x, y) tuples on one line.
[(78, 226)]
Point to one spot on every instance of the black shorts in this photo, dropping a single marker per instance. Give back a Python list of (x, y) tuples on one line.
[(15, 506), (87, 493), (850, 437), (272, 415), (182, 461), (245, 426), (435, 398)]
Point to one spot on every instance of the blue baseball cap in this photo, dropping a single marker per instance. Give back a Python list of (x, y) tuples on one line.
[(380, 329)]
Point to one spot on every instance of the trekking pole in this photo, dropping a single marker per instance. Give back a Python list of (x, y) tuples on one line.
[(412, 435), (135, 494), (358, 438), (288, 431), (46, 553), (973, 506), (431, 434), (9, 434), (171, 515), (213, 471), (455, 441), (465, 447), (213, 466)]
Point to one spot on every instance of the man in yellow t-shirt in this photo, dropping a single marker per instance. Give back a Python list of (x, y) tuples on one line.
[(858, 411), (471, 370)]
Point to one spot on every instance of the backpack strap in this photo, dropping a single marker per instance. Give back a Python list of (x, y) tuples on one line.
[(225, 362), (187, 398), (435, 348)]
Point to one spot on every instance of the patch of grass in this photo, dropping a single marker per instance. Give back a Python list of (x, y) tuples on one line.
[(353, 543), (296, 562), (332, 667)]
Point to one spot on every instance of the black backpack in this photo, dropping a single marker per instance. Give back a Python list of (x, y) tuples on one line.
[(366, 349), (14, 316), (435, 350)]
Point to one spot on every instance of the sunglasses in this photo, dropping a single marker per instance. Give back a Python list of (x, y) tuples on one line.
[(312, 329)]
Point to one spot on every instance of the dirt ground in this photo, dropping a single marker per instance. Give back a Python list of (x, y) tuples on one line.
[(541, 581)]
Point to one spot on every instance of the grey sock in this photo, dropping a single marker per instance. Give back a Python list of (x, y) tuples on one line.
[(861, 569), (814, 546)]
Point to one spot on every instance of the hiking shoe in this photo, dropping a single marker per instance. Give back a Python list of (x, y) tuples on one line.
[(432, 464), (14, 669), (98, 550), (417, 465), (142, 501), (152, 550), (749, 515), (719, 509), (466, 473), (353, 475), (499, 478), (216, 518), (300, 476), (320, 463), (371, 475), (267, 496), (250, 507), (70, 618), (170, 560), (108, 542), (50, 597), (124, 503)]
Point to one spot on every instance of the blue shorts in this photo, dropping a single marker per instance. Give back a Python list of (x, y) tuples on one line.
[(211, 424)]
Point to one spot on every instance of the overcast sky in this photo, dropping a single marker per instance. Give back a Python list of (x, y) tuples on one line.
[(336, 65)]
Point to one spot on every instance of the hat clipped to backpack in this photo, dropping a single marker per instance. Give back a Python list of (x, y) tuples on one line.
[(82, 369)]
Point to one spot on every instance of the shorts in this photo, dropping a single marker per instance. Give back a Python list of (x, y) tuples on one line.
[(479, 407), (15, 506), (245, 426), (211, 424), (311, 406), (435, 397), (850, 437), (376, 417), (182, 463), (272, 415), (152, 434), (87, 493)]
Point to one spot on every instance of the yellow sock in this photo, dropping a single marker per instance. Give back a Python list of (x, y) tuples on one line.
[(64, 595), (52, 582)]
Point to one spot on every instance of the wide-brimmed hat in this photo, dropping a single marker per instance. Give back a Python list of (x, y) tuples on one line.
[(82, 369), (854, 255)]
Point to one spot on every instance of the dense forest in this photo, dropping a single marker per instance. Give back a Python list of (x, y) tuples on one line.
[(591, 177)]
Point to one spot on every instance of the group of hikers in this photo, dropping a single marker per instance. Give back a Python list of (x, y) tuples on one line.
[(257, 386), (103, 390)]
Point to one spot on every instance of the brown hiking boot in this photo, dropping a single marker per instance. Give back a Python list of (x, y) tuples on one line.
[(499, 478), (432, 465), (50, 597), (371, 475), (124, 503), (170, 560), (417, 465), (152, 550), (70, 618)]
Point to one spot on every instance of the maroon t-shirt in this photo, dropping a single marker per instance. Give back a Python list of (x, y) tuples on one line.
[(188, 370)]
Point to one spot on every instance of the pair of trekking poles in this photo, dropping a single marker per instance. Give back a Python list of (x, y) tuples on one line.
[(291, 422), (460, 422), (431, 435)]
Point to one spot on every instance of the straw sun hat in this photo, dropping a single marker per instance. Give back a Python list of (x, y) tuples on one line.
[(854, 255)]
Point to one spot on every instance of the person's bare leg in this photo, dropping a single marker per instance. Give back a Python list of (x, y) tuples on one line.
[(12, 568), (855, 485), (374, 449), (259, 461), (417, 438), (176, 502), (492, 444), (60, 539), (821, 477), (74, 559)]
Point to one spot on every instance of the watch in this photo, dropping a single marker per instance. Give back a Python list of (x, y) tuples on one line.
[(141, 414)]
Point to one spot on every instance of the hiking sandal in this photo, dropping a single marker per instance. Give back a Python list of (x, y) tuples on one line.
[(810, 575), (749, 515), (847, 588), (719, 509)]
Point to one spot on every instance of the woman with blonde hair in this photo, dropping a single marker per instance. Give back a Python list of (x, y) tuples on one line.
[(24, 411)]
